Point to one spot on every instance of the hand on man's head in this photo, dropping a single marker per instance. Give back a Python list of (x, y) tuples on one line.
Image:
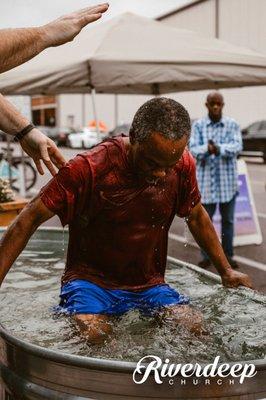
[(66, 28)]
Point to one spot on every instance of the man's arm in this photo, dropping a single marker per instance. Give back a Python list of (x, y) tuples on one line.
[(20, 45), (205, 235), (19, 232), (235, 145), (200, 151)]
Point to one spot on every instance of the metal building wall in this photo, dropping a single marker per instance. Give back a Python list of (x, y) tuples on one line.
[(241, 22), (199, 18)]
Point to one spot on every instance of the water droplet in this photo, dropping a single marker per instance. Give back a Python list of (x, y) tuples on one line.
[(63, 244)]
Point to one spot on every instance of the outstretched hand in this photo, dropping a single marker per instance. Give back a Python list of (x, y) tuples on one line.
[(233, 279), (66, 28), (39, 147)]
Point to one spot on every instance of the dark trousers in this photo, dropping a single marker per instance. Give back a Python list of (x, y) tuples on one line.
[(227, 211)]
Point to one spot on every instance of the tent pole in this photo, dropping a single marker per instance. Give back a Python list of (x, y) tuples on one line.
[(84, 122), (116, 110), (93, 98)]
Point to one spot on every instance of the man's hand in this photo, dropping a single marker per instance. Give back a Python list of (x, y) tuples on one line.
[(233, 279), (39, 147), (66, 28), (204, 233), (213, 148)]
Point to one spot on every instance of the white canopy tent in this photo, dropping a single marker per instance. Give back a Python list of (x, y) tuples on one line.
[(136, 55)]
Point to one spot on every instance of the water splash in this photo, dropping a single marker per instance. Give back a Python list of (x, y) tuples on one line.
[(235, 318)]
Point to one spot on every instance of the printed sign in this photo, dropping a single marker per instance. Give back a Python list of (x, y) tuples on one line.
[(247, 229)]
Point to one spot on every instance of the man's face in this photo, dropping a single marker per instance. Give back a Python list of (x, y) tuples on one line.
[(215, 106), (155, 157)]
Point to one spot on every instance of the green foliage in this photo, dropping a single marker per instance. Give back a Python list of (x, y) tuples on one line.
[(6, 193)]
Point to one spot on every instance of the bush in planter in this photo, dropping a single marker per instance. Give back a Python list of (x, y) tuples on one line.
[(6, 193)]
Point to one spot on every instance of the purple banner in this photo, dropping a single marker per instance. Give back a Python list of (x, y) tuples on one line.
[(244, 219)]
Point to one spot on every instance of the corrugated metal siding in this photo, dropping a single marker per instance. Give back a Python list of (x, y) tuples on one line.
[(199, 17), (241, 22)]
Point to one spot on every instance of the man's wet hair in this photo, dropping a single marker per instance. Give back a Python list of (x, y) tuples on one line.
[(162, 115)]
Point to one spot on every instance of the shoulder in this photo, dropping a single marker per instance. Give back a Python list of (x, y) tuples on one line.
[(186, 165), (105, 156), (230, 122), (199, 123)]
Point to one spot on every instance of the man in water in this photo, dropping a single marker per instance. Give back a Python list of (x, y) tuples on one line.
[(20, 45), (119, 200)]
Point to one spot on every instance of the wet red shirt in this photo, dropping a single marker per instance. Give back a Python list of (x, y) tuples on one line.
[(118, 227)]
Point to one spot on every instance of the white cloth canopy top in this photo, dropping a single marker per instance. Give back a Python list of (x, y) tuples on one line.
[(136, 55)]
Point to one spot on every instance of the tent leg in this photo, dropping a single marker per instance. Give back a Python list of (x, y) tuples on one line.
[(9, 158), (83, 99), (93, 98), (22, 174), (116, 110)]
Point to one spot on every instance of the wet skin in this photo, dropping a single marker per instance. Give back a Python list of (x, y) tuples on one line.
[(155, 157)]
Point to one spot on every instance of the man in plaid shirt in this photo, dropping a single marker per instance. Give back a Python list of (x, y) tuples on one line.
[(215, 143)]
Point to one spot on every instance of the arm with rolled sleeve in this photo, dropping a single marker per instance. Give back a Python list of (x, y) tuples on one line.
[(233, 148), (199, 150)]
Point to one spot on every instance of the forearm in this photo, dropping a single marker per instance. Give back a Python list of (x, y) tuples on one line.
[(205, 235), (19, 232), (199, 151), (13, 242), (20, 45), (230, 150), (11, 120)]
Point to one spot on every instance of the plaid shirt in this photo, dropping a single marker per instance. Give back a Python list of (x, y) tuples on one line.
[(217, 174)]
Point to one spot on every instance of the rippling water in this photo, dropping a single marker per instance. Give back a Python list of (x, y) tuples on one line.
[(235, 318)]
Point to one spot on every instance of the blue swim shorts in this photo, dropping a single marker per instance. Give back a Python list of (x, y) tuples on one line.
[(84, 297)]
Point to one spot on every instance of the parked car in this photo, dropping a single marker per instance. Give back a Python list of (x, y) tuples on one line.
[(124, 128), (254, 140), (2, 136), (62, 135), (85, 139), (58, 134)]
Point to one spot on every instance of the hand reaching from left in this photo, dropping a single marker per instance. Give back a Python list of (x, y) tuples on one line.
[(39, 147)]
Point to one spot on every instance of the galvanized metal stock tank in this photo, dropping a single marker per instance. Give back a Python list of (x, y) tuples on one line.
[(29, 372)]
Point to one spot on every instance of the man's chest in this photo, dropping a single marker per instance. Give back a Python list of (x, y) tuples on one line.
[(124, 201), (218, 133)]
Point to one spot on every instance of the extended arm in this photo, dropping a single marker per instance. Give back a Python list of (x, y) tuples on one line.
[(20, 45), (19, 232), (205, 235)]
